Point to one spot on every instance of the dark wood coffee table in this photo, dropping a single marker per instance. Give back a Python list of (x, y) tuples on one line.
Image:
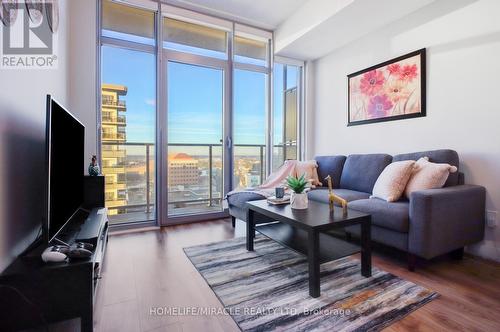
[(304, 232)]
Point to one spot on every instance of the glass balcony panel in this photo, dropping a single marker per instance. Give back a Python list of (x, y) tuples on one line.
[(249, 165), (278, 157), (130, 185), (194, 179)]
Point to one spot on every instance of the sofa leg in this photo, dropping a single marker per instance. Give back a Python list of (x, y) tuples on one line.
[(457, 254), (412, 262), (233, 221)]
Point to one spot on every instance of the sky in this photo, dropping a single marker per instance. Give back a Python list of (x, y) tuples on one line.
[(195, 99), (136, 70)]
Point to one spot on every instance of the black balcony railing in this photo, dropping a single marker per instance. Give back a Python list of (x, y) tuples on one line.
[(147, 150), (120, 119), (114, 103), (117, 136)]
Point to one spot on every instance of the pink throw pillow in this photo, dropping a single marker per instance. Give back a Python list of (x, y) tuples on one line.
[(427, 175), (391, 183)]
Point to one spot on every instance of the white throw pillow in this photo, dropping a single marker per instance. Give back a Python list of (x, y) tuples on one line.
[(391, 183), (428, 175)]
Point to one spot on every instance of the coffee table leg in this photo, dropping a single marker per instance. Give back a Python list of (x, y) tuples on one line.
[(250, 229), (366, 252), (313, 260)]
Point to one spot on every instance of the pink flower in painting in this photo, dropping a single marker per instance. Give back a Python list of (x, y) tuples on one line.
[(379, 106), (372, 82), (408, 73), (394, 68), (396, 91)]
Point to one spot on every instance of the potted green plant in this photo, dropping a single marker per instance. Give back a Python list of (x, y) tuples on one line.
[(298, 198)]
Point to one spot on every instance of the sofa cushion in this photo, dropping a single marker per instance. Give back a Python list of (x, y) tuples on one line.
[(239, 199), (330, 165), (390, 215), (427, 175), (436, 156), (321, 195), (361, 171), (383, 235), (391, 184)]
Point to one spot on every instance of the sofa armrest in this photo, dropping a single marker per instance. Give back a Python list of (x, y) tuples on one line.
[(445, 219)]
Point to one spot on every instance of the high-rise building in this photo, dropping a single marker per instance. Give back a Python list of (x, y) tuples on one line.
[(183, 170), (113, 155)]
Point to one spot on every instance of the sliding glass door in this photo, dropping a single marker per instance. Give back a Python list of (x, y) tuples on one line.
[(196, 58), (195, 136)]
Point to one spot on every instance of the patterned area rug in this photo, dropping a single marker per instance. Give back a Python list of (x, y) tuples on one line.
[(267, 290)]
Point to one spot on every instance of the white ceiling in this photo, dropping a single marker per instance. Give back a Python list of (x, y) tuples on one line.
[(310, 29), (266, 14), (322, 26)]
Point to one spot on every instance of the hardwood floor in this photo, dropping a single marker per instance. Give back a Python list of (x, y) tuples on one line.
[(145, 270)]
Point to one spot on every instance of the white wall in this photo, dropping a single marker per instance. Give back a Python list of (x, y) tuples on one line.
[(22, 145), (22, 122), (82, 71), (463, 87)]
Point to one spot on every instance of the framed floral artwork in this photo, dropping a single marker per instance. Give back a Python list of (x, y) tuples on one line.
[(392, 90)]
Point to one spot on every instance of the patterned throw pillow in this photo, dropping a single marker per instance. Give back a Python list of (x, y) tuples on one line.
[(391, 183), (428, 175)]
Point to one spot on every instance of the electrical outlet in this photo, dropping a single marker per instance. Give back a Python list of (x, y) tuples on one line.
[(491, 219)]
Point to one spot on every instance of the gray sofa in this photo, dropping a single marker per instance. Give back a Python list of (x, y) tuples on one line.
[(431, 223)]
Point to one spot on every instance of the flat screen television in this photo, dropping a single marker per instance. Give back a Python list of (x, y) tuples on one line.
[(65, 139)]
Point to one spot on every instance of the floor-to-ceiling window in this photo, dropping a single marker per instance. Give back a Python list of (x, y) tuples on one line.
[(128, 112), (250, 108), (249, 125), (197, 104)]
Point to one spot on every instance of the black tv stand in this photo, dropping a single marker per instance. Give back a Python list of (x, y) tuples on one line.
[(60, 291), (56, 241)]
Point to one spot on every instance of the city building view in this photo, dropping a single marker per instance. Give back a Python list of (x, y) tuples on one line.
[(196, 113), (126, 166), (195, 170), (194, 180), (195, 176), (113, 154)]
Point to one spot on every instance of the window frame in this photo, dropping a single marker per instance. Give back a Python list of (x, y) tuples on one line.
[(163, 55), (133, 46)]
